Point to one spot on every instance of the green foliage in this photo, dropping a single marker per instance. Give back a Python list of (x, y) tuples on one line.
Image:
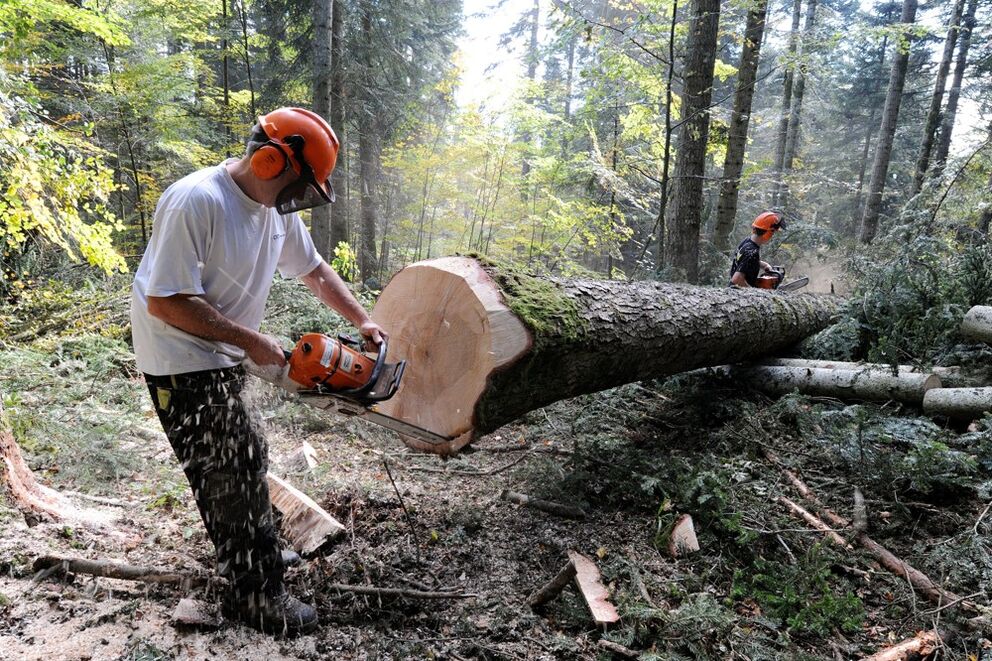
[(801, 596), (345, 261), (913, 302), (55, 187)]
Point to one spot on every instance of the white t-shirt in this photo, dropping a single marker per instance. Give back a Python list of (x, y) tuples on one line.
[(210, 239)]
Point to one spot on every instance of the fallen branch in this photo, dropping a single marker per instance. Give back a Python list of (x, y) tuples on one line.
[(917, 647), (567, 511), (920, 581), (617, 648), (814, 522), (553, 588), (398, 592), (52, 564)]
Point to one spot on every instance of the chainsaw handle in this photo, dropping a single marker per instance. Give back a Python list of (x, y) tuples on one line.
[(380, 362)]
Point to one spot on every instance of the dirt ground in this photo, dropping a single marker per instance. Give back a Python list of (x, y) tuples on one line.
[(763, 587)]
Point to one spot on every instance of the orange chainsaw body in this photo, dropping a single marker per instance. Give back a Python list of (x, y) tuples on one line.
[(318, 360)]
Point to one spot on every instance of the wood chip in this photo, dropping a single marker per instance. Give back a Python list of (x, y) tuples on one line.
[(683, 540), (590, 584), (193, 613), (305, 524)]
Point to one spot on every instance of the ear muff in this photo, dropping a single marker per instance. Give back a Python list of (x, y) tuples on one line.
[(268, 162)]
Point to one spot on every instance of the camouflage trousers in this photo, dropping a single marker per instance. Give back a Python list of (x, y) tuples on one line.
[(225, 459)]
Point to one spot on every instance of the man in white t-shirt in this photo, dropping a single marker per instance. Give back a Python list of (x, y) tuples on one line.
[(197, 303)]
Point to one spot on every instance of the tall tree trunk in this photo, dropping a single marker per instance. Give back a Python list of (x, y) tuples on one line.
[(338, 211), (887, 132), (660, 259), (733, 165), (947, 125), (852, 224), (320, 225), (367, 263), (525, 137), (685, 212), (513, 342), (933, 116), (795, 111), (986, 218), (783, 121)]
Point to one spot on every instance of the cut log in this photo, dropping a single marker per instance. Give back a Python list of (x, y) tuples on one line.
[(305, 524), (977, 324), (683, 540), (595, 594), (485, 345), (864, 384), (950, 377), (961, 403)]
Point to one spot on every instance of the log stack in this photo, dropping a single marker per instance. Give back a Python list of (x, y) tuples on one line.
[(485, 345)]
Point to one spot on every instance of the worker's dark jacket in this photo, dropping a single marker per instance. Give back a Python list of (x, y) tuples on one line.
[(747, 261)]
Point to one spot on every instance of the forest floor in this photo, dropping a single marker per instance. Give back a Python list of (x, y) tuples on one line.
[(763, 586)]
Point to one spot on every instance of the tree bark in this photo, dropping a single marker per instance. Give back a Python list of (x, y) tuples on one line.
[(783, 121), (320, 224), (933, 116), (886, 134), (947, 124), (866, 384), (339, 210), (367, 262), (961, 403), (795, 112), (486, 345), (684, 214), (733, 165)]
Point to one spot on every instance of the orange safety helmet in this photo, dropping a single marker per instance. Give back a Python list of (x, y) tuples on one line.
[(301, 140), (768, 221)]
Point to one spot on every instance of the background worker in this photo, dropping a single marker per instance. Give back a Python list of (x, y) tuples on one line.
[(747, 265), (197, 303)]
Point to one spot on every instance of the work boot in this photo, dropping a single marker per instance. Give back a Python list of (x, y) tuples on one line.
[(276, 613)]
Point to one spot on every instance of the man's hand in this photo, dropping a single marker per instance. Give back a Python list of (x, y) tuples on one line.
[(373, 332), (265, 350), (765, 266)]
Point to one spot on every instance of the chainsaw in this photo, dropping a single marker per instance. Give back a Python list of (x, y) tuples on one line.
[(772, 279), (334, 374)]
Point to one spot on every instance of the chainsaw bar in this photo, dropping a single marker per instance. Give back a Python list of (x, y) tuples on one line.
[(349, 407), (798, 283)]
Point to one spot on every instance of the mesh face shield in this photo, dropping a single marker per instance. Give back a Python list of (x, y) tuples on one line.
[(306, 192)]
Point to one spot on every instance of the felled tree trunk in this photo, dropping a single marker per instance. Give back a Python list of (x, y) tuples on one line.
[(486, 345), (867, 384), (961, 403), (950, 377)]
